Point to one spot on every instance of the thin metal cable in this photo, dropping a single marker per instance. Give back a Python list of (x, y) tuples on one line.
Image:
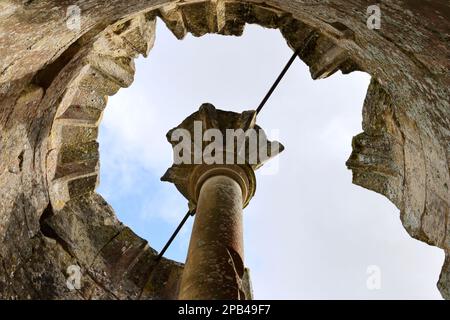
[(277, 82), (297, 52), (188, 214)]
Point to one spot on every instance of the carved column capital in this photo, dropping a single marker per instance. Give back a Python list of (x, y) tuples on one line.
[(238, 160)]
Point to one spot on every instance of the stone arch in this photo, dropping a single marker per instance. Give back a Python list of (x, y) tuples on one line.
[(72, 161), (99, 72), (403, 152)]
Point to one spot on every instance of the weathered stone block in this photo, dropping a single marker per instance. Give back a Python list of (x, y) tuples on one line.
[(196, 17), (79, 168), (81, 186), (86, 98), (266, 16), (71, 135), (120, 69), (139, 32), (232, 17), (85, 225), (173, 18), (328, 63), (80, 115), (92, 79), (78, 152), (296, 32)]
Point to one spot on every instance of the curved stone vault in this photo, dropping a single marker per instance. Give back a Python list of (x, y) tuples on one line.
[(54, 83)]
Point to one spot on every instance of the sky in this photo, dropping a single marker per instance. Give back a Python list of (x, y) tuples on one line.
[(309, 232)]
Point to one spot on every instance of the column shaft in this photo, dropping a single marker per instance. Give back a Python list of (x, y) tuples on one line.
[(214, 266)]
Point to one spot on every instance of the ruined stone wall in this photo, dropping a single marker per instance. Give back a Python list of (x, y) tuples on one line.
[(54, 83)]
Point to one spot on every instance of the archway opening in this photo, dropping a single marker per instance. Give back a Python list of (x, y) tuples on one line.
[(310, 233)]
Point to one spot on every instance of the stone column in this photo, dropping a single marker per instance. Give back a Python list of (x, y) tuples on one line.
[(214, 266)]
